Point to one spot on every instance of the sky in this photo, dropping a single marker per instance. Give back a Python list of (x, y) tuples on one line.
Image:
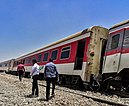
[(27, 25)]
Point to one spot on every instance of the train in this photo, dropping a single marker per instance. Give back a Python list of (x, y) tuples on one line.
[(96, 57)]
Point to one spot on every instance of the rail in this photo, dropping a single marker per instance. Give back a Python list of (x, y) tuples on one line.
[(94, 98)]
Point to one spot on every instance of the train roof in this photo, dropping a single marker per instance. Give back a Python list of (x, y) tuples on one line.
[(49, 45), (59, 41), (119, 24)]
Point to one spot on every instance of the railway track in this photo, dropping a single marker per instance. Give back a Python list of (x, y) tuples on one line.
[(91, 97), (98, 99), (120, 93)]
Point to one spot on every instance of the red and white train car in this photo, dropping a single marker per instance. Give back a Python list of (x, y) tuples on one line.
[(117, 56), (85, 55), (77, 57), (7, 65)]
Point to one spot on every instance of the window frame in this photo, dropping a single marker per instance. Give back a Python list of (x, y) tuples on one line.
[(109, 42), (111, 46), (47, 57), (40, 57), (126, 39), (56, 54), (63, 51), (28, 60)]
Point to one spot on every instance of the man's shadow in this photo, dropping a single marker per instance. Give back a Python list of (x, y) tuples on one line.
[(44, 99), (40, 99), (29, 96)]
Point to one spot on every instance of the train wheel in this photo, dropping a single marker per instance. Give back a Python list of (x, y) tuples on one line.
[(106, 84), (95, 85), (107, 87)]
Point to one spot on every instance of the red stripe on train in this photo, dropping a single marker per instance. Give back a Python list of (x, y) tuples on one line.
[(72, 57), (118, 31), (123, 51)]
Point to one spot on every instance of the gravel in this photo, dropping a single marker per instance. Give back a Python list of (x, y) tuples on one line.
[(16, 93)]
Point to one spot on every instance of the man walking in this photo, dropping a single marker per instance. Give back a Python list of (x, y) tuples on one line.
[(35, 74), (20, 70), (51, 75)]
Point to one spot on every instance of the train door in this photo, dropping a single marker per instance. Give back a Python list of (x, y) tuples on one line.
[(103, 48), (11, 64), (79, 55), (113, 52)]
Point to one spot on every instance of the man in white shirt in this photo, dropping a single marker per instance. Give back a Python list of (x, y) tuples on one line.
[(35, 74)]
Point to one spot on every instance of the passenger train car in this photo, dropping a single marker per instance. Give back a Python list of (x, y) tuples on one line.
[(77, 57), (116, 65), (7, 65), (92, 55)]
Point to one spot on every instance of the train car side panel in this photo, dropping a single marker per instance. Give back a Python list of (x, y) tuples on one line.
[(124, 61), (113, 52)]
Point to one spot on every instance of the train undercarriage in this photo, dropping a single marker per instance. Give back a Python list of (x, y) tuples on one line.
[(116, 81), (111, 82)]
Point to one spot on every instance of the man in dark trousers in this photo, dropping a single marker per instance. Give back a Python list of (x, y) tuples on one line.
[(20, 70), (35, 74), (51, 75)]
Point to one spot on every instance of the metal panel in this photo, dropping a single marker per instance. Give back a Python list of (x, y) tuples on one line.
[(113, 52), (124, 63), (111, 63)]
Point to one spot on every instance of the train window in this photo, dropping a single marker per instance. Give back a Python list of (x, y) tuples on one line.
[(54, 54), (27, 60), (65, 52), (23, 61), (39, 57), (45, 58), (17, 62), (34, 57), (115, 41), (126, 39)]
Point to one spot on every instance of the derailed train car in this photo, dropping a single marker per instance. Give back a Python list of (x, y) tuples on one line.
[(116, 63), (92, 55), (77, 57)]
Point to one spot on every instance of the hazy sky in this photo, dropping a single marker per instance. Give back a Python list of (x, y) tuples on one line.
[(26, 25)]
